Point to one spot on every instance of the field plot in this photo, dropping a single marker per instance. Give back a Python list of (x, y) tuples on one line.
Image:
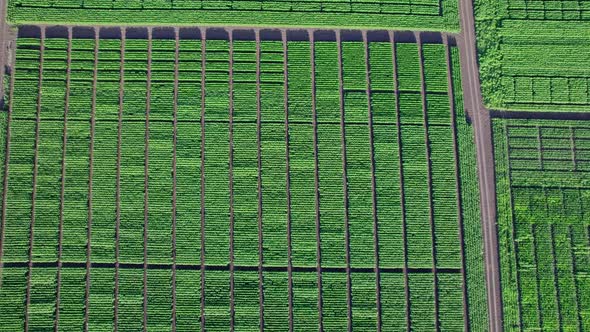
[(174, 179), (543, 203), (534, 54), (437, 15)]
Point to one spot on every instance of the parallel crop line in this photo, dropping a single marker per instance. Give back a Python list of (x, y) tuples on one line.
[(533, 231), (174, 172), (573, 271), (232, 303), (202, 258), (35, 171), (344, 181), (316, 182), (63, 178), (373, 184), (429, 174), (460, 220), (556, 276), (401, 179)]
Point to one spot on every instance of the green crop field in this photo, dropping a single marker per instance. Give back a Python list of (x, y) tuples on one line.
[(216, 183), (534, 54), (437, 15), (543, 223)]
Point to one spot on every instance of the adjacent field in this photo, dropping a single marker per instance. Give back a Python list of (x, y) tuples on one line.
[(208, 183), (543, 219), (534, 55), (438, 15)]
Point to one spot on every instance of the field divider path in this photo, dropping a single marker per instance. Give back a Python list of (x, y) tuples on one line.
[(6, 164), (118, 180), (174, 171), (457, 164), (316, 182), (373, 184), (344, 181), (35, 174), (146, 178), (63, 180), (259, 157), (232, 285), (485, 162), (430, 185), (401, 179), (288, 177), (90, 181), (202, 258)]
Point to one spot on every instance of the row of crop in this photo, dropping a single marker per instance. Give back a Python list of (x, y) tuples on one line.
[(546, 90), (26, 85), (299, 81)]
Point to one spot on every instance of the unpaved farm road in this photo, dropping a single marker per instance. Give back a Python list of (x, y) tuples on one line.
[(485, 161), (5, 38)]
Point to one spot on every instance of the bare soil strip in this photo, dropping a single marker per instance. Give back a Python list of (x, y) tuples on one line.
[(63, 180), (35, 173)]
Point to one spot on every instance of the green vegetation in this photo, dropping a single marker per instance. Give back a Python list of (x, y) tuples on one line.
[(356, 125), (533, 55), (544, 191), (438, 15)]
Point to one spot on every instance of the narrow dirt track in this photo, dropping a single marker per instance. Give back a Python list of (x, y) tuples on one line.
[(485, 161)]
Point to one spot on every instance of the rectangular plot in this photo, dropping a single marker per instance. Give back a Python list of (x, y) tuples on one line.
[(415, 168), (360, 205), (305, 301), (355, 107), (247, 306), (216, 194), (422, 301), (381, 65), (217, 315), (303, 205), (435, 67), (548, 292), (188, 193), (20, 190), (387, 186), (75, 213), (12, 298), (41, 309), (217, 80), (160, 192), (327, 81), (568, 297), (332, 212), (299, 80), (132, 192), (335, 301), (276, 306), (245, 191), (104, 192), (48, 187), (188, 300), (393, 302), (72, 301), (450, 301), (130, 299), (107, 86), (354, 65), (408, 67), (364, 303), (274, 194), (159, 300)]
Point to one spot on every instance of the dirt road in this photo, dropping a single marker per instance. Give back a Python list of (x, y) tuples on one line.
[(485, 161)]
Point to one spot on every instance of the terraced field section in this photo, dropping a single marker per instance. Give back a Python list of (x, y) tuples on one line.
[(178, 180), (534, 54), (437, 15), (543, 219)]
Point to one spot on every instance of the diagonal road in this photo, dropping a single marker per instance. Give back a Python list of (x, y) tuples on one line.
[(485, 161)]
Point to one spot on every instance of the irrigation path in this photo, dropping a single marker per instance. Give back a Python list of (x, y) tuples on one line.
[(485, 161)]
